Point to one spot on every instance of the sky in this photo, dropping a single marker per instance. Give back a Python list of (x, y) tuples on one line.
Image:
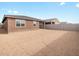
[(64, 11)]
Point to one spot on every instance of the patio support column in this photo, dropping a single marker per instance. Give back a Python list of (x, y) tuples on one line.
[(51, 22), (44, 25)]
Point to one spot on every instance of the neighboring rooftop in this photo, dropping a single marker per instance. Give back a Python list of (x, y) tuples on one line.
[(52, 19)]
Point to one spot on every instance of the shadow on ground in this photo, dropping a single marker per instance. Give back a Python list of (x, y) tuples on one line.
[(66, 45)]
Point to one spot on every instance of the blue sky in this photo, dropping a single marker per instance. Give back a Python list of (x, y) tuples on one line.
[(64, 11)]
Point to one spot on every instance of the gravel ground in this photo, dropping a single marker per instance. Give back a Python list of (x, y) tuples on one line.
[(40, 42)]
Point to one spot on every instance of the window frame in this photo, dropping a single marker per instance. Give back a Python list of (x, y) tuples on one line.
[(21, 22)]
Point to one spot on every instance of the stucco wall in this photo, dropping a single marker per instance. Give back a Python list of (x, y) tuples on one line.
[(11, 25)]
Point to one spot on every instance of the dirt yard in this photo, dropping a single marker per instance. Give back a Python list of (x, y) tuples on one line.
[(40, 42)]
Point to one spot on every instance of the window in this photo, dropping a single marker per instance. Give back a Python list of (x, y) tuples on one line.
[(53, 22), (34, 23), (17, 23), (20, 23), (48, 23)]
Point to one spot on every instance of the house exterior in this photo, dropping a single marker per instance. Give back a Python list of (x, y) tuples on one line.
[(52, 21), (15, 23)]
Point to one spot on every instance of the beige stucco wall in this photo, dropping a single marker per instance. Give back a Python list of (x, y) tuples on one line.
[(11, 25), (55, 21)]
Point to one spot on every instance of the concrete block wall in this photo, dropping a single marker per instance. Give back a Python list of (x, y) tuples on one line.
[(70, 27)]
